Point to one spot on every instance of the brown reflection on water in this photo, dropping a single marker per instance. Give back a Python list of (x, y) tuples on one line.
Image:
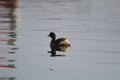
[(7, 78)]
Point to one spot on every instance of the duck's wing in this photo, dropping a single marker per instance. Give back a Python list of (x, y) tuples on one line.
[(62, 42), (59, 40)]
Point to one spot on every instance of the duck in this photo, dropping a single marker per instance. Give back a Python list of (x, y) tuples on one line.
[(60, 42)]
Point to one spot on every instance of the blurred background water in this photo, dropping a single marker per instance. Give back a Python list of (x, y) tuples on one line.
[(91, 26)]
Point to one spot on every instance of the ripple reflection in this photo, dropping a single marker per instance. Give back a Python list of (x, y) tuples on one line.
[(8, 37)]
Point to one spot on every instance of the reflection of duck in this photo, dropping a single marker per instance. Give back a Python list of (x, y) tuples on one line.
[(60, 44), (59, 48)]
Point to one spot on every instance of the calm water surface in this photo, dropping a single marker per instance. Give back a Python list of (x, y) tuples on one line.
[(91, 26)]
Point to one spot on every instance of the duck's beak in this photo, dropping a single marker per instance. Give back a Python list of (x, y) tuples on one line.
[(48, 35)]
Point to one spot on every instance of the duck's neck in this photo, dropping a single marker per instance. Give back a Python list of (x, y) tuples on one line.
[(53, 38)]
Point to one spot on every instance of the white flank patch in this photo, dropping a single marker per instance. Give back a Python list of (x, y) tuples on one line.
[(67, 41)]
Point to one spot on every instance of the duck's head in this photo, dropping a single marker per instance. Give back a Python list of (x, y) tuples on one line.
[(52, 35)]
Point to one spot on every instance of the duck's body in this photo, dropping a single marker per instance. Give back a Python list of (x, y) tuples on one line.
[(60, 42)]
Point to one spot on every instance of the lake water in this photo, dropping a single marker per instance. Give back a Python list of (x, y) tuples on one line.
[(92, 27)]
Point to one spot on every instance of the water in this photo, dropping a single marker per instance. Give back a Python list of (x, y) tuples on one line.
[(91, 26)]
